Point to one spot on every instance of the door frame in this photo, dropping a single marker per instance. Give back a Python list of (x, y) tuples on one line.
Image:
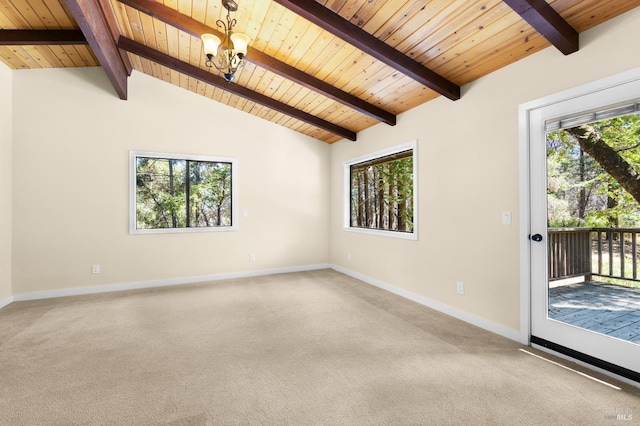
[(524, 113)]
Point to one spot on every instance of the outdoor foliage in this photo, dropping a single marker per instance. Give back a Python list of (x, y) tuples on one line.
[(174, 193), (382, 193), (593, 174)]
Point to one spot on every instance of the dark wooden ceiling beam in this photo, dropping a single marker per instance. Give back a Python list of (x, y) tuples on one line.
[(217, 81), (356, 36), (41, 37), (545, 20), (112, 24), (91, 20), (195, 28)]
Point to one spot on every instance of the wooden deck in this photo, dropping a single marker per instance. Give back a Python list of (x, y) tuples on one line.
[(603, 308)]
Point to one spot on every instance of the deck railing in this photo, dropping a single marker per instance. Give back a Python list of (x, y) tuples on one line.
[(569, 253), (605, 252)]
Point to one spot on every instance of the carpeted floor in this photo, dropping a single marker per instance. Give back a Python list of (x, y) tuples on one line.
[(312, 348)]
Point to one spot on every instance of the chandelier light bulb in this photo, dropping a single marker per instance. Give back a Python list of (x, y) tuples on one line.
[(240, 44), (210, 44)]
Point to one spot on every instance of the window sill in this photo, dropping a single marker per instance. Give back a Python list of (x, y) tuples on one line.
[(181, 230), (391, 234)]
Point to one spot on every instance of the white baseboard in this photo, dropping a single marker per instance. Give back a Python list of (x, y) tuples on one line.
[(158, 283), (461, 315), (471, 319), (5, 302)]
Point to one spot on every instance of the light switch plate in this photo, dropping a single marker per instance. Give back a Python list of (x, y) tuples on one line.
[(506, 218)]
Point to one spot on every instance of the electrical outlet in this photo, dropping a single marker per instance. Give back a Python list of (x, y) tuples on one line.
[(349, 256), (460, 287), (252, 257), (95, 269)]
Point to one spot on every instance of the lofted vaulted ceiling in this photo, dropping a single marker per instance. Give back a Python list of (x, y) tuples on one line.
[(325, 68)]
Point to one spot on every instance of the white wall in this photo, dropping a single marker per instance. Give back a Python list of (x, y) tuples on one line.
[(468, 166), (72, 137), (6, 122)]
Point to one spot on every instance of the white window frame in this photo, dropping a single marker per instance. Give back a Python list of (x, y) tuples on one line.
[(346, 188), (132, 192)]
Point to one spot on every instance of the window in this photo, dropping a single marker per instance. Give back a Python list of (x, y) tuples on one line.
[(180, 193), (381, 194)]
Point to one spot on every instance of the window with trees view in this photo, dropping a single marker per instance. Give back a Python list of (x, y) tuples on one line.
[(382, 194), (180, 193)]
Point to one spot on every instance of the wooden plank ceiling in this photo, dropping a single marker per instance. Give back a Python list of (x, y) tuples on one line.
[(325, 68)]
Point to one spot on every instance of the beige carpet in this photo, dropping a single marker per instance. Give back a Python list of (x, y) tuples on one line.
[(312, 348)]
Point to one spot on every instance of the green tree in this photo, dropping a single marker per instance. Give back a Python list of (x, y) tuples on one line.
[(382, 193), (174, 193), (160, 192), (614, 145), (593, 174)]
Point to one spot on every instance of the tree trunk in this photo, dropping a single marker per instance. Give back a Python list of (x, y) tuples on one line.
[(220, 201), (612, 203), (402, 215), (174, 218), (609, 159), (392, 196), (360, 208), (582, 197), (402, 207), (367, 201), (381, 198)]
